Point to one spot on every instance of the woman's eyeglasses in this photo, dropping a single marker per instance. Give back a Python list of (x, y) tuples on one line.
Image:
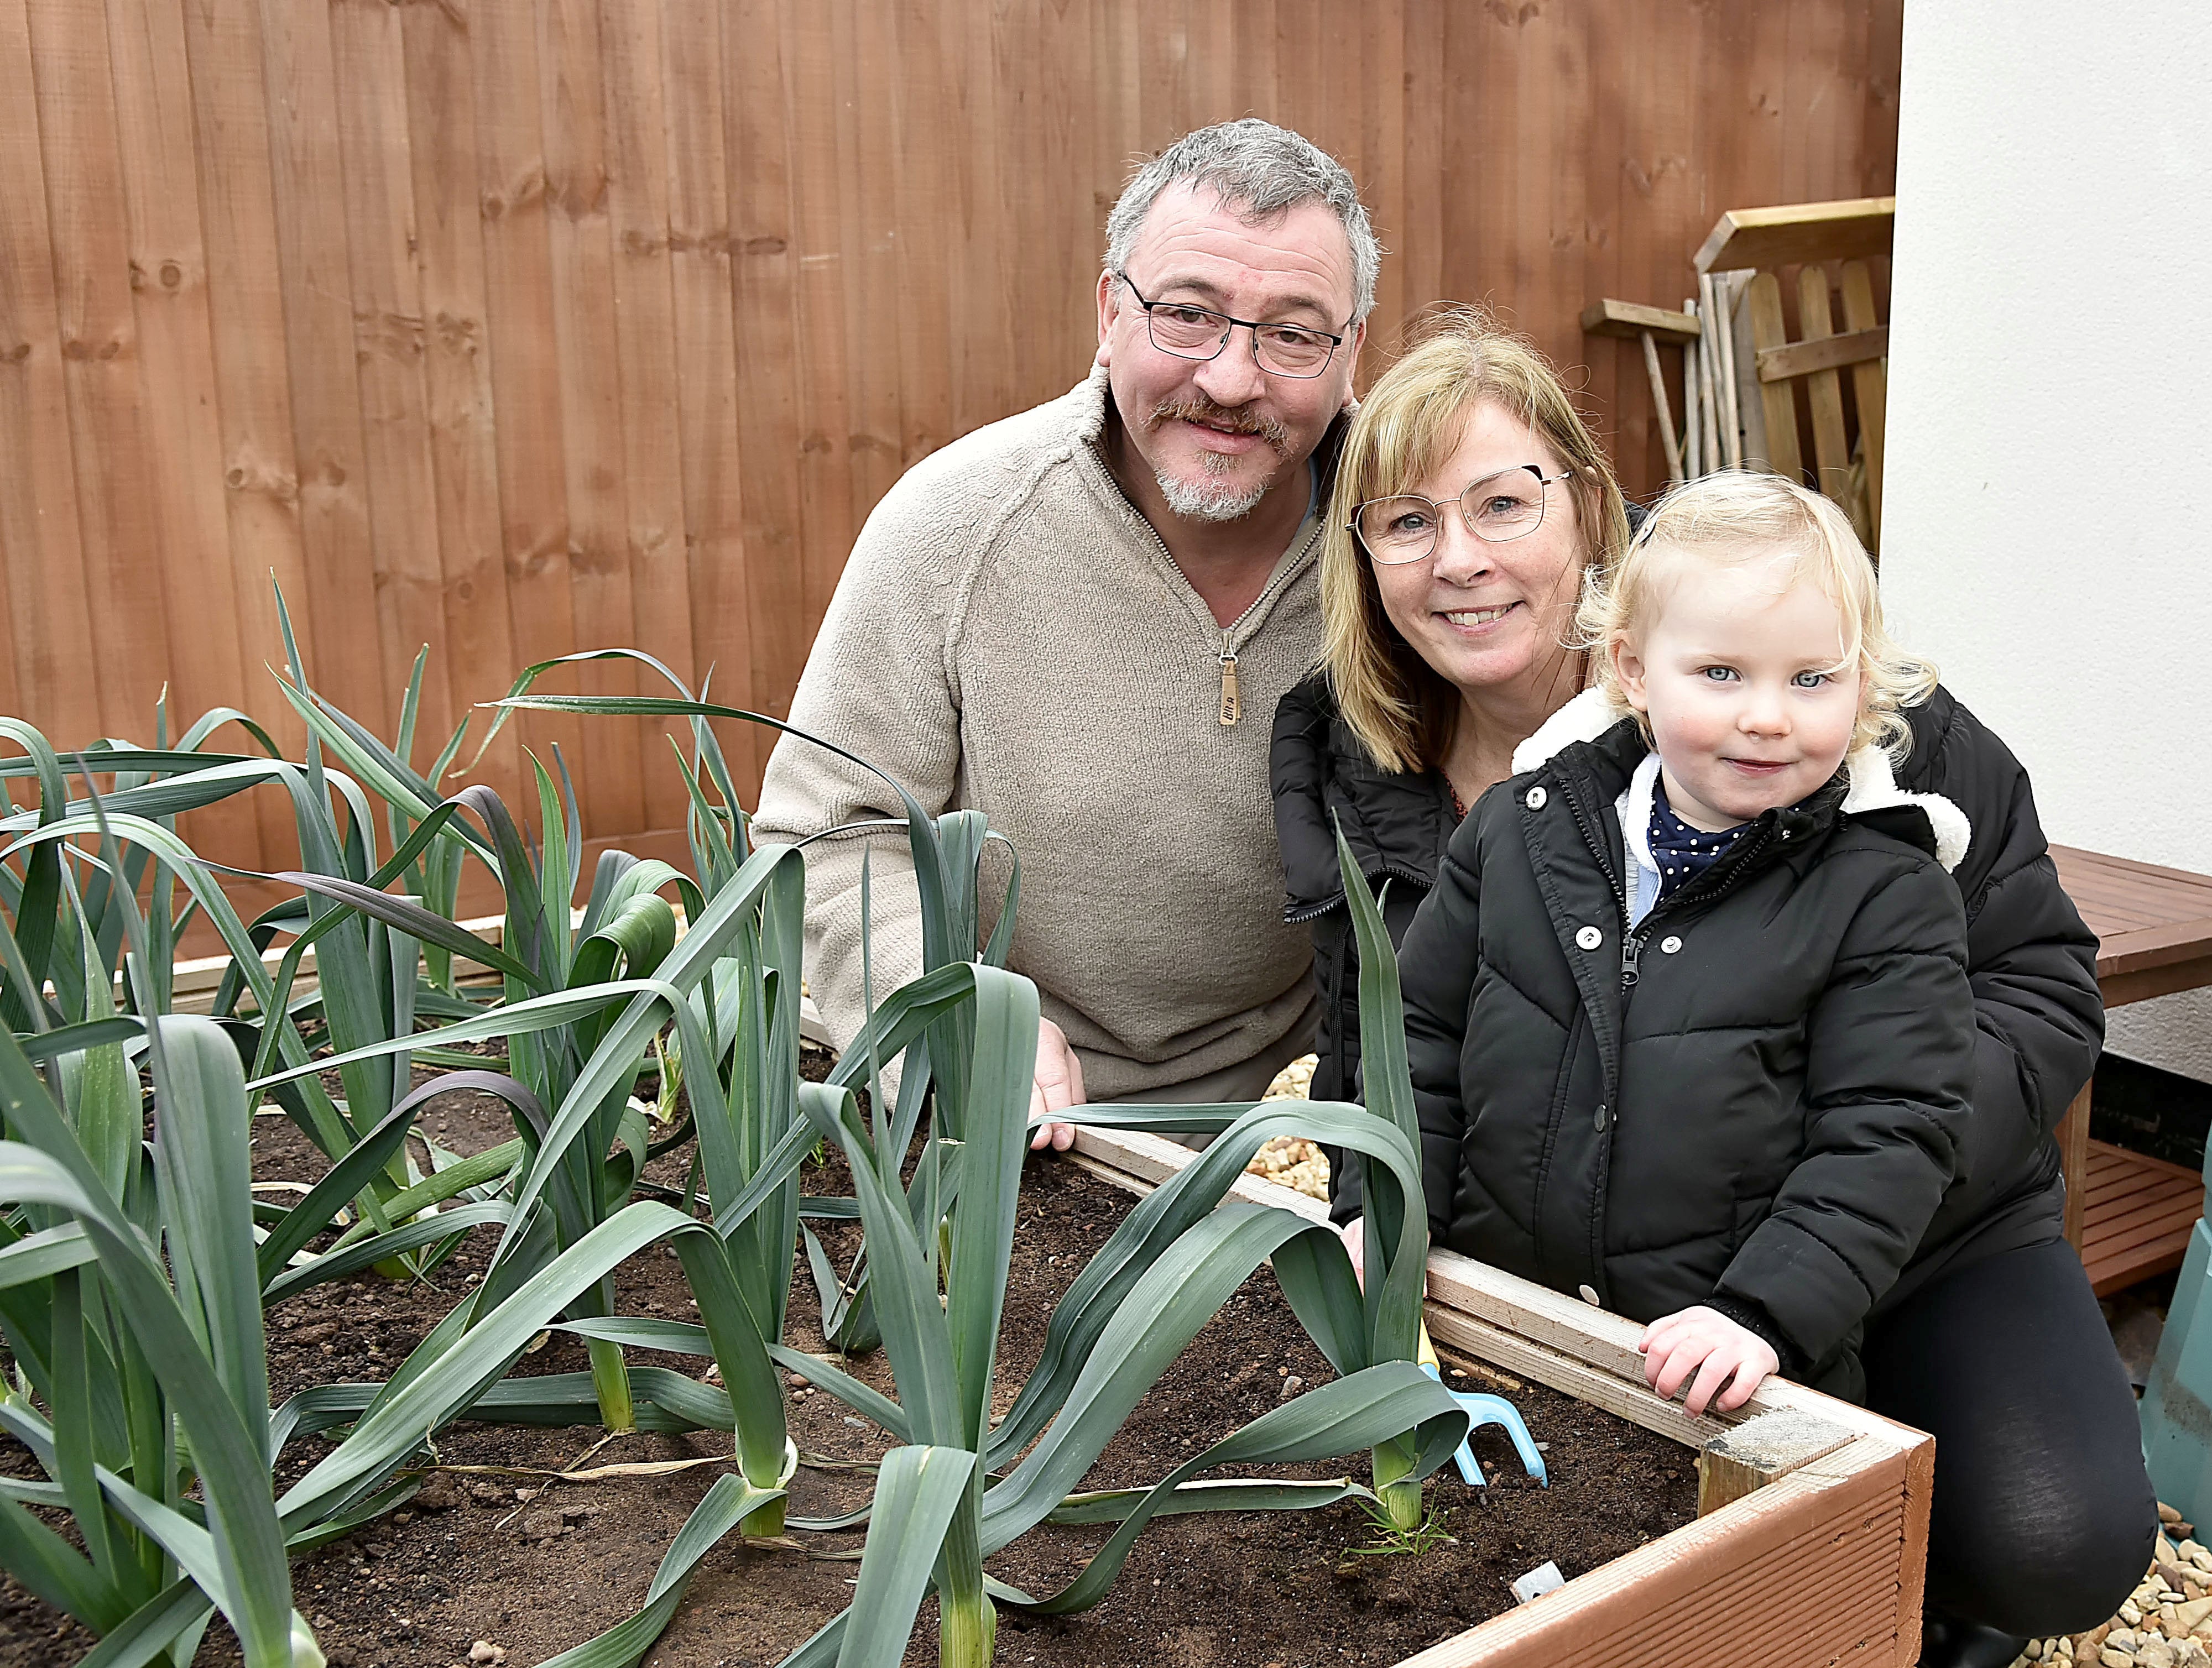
[(1498, 509)]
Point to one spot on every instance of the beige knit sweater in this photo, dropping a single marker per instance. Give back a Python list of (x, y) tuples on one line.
[(1010, 635)]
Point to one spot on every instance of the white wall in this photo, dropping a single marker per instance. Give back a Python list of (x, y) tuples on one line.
[(2047, 528)]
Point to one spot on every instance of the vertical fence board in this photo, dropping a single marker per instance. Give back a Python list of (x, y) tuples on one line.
[(703, 259), (1381, 172), (979, 284), (121, 541), (610, 785), (41, 554), (1421, 237), (645, 343), (788, 247), (862, 58), (184, 444), (525, 378), (370, 61), (921, 107), (764, 239), (829, 516), (253, 388), (347, 661), (478, 650)]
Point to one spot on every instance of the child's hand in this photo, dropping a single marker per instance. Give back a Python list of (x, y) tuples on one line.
[(1355, 1243), (1707, 1343)]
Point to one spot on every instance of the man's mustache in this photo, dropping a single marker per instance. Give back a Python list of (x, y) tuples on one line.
[(1236, 421)]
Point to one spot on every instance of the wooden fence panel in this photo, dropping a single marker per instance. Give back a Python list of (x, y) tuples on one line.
[(539, 325)]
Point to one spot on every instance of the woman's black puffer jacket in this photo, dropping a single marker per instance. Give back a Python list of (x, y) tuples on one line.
[(2031, 962), (1758, 1095)]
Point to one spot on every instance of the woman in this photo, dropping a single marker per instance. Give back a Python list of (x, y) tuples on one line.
[(1469, 471)]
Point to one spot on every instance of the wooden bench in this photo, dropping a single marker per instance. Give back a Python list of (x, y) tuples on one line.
[(2129, 1215)]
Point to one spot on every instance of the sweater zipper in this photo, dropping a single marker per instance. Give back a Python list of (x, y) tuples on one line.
[(1231, 710), (1230, 713)]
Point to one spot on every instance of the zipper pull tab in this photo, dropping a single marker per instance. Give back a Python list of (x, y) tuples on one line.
[(1232, 709), (1631, 948)]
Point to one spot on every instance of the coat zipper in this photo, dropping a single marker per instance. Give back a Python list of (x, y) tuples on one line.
[(1596, 845), (1701, 890), (1710, 884), (1336, 899)]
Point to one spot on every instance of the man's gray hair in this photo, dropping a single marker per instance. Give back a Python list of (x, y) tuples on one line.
[(1259, 170)]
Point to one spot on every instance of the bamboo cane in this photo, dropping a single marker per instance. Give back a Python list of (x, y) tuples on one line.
[(1666, 414), (1693, 450), (1708, 316), (1724, 291)]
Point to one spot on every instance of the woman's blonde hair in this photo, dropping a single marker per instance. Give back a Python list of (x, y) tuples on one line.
[(1400, 707), (1740, 517)]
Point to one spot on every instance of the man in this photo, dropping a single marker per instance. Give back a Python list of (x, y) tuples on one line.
[(1079, 621)]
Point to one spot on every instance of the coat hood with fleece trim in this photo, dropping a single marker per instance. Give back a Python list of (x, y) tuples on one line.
[(1590, 715)]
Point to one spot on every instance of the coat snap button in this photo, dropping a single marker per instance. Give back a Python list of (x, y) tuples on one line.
[(1588, 1296), (1534, 799), (1670, 944), (1589, 938)]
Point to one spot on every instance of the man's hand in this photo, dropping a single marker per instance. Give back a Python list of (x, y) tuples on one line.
[(1059, 1083), (1707, 1343)]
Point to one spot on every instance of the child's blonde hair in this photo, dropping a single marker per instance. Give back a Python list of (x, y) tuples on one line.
[(1741, 515)]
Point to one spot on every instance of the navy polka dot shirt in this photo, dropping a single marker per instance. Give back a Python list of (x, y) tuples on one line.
[(1682, 851)]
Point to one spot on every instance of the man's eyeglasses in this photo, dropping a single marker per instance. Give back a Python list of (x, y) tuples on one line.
[(1189, 331), (1498, 509)]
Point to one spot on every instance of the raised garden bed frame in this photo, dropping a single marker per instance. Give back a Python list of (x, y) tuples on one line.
[(1817, 1558)]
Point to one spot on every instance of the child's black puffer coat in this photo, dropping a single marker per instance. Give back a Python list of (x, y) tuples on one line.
[(1758, 1095)]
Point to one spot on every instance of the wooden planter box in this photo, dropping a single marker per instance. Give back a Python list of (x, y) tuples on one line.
[(1811, 1545)]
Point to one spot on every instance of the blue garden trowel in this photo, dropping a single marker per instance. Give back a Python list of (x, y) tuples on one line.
[(1484, 1410)]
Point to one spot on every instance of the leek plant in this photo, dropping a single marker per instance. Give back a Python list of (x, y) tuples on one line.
[(54, 951), (369, 971), (131, 1295), (153, 1380), (1358, 1328), (760, 1080), (142, 1391), (729, 1271), (940, 1509)]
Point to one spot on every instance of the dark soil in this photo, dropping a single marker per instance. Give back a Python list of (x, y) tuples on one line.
[(478, 1556)]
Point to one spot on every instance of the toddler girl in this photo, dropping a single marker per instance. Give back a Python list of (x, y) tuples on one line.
[(1687, 1010)]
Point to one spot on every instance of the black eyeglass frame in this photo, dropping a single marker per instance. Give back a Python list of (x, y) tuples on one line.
[(1543, 483), (1336, 339)]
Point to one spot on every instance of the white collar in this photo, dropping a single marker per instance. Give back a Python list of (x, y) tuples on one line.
[(1585, 718), (1635, 807)]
